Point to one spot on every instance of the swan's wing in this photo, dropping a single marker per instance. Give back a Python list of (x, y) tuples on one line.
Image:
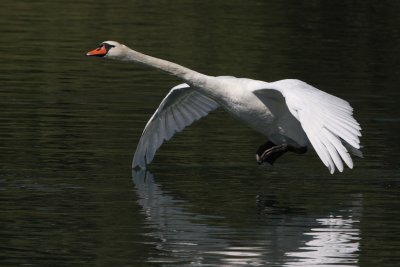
[(326, 119), (181, 107)]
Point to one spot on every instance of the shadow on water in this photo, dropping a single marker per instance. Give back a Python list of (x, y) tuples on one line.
[(288, 238)]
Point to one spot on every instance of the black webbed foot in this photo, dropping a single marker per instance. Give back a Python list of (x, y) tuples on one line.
[(269, 152)]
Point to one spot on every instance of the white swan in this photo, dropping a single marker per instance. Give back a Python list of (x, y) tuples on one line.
[(290, 113)]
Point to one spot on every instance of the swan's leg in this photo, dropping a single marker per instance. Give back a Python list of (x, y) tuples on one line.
[(269, 152)]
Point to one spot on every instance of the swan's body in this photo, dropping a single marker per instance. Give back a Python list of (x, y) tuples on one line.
[(290, 113)]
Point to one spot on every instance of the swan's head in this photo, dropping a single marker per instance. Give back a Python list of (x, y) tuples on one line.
[(108, 49)]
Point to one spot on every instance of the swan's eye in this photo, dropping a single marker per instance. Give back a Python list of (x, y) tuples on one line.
[(108, 46)]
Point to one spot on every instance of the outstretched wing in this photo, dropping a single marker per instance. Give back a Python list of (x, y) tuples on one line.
[(326, 119), (181, 107)]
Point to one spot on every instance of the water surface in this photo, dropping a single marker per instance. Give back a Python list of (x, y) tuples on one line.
[(69, 126)]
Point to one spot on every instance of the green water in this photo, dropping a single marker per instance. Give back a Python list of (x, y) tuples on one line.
[(69, 126)]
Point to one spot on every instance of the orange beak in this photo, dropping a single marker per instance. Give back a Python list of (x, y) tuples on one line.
[(98, 52)]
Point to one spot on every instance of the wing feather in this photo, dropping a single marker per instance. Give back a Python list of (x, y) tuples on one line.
[(169, 122), (200, 108), (339, 147), (326, 119), (181, 107)]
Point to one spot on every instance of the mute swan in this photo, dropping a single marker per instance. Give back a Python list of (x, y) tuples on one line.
[(290, 113)]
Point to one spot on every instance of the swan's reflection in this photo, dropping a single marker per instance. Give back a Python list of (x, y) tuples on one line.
[(334, 242), (182, 237), (179, 237)]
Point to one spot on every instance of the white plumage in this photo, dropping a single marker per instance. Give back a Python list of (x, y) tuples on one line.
[(326, 119), (180, 108), (288, 112)]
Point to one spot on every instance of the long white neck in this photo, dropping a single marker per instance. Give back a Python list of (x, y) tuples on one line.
[(192, 77)]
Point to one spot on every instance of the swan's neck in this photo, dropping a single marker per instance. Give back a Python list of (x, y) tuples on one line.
[(192, 77)]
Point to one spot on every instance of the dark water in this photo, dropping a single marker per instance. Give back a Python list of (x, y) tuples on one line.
[(69, 126)]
